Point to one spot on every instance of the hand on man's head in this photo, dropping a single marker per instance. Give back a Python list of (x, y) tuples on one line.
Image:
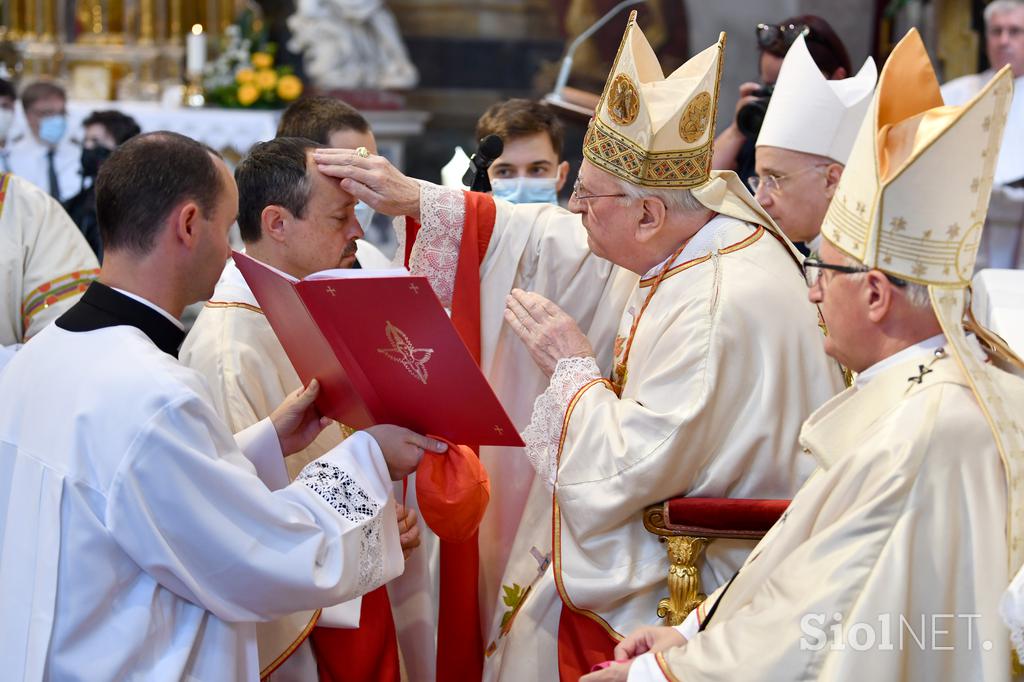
[(371, 179)]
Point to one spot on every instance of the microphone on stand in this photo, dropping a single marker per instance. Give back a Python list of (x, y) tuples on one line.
[(488, 150), (579, 102)]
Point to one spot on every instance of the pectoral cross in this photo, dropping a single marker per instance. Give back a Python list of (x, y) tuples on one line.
[(331, 290), (922, 370)]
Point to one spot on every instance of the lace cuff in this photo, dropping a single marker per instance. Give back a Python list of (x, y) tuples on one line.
[(544, 433), (435, 255), (350, 500)]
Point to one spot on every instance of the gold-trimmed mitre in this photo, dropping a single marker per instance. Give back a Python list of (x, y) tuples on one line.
[(915, 191), (912, 203), (651, 130)]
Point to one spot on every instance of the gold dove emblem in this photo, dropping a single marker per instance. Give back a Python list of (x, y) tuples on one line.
[(402, 351)]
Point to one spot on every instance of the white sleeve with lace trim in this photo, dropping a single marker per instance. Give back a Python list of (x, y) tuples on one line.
[(435, 255), (544, 432)]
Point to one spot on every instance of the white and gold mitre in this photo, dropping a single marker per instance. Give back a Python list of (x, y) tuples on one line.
[(809, 113), (651, 130), (913, 197), (912, 203)]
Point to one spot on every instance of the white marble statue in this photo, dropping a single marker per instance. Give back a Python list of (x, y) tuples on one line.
[(350, 44)]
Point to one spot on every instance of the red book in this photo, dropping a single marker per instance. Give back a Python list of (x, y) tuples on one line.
[(384, 351)]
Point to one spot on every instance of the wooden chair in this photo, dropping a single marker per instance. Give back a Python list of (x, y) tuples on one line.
[(687, 525)]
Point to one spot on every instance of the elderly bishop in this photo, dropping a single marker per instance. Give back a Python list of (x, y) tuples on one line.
[(659, 330), (890, 562)]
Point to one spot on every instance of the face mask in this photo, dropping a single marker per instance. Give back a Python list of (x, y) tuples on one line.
[(526, 190), (92, 158), (364, 214), (6, 119), (51, 128)]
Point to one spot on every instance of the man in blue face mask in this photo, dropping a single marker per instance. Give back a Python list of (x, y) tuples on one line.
[(530, 169), (45, 155)]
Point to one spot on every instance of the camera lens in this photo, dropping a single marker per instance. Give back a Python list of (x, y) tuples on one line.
[(750, 117)]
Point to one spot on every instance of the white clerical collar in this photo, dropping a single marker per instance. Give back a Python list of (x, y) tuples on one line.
[(154, 306), (814, 244), (700, 243), (919, 348)]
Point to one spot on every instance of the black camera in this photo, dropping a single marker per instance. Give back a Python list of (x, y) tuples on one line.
[(750, 117)]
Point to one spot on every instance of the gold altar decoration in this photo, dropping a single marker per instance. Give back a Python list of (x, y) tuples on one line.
[(141, 43)]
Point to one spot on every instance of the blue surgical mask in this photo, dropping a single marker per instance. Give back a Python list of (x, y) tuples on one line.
[(364, 214), (52, 128), (526, 190)]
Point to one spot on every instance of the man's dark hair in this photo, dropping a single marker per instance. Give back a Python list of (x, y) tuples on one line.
[(273, 174), (120, 126), (145, 179), (7, 90), (315, 118), (41, 90), (519, 118)]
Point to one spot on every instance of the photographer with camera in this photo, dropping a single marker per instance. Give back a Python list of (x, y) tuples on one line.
[(734, 147)]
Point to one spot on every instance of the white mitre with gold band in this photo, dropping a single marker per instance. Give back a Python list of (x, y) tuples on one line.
[(809, 113), (651, 130), (658, 132), (912, 201)]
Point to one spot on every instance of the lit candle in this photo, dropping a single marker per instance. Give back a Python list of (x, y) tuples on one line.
[(195, 50)]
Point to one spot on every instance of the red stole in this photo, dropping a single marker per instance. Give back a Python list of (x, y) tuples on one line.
[(368, 653), (460, 643)]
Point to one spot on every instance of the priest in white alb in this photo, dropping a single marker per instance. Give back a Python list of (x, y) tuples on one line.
[(294, 219), (889, 563), (662, 326), (140, 540), (805, 140)]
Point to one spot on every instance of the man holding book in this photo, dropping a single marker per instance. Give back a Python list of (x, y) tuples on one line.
[(296, 220), (141, 540), (664, 325)]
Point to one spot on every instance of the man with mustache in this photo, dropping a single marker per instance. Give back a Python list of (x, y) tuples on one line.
[(295, 219)]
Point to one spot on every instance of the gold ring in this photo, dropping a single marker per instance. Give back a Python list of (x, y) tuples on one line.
[(363, 152)]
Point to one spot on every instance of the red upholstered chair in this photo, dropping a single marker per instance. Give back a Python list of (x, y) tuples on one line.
[(687, 525)]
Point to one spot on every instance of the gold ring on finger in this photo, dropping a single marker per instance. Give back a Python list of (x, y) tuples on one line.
[(363, 152)]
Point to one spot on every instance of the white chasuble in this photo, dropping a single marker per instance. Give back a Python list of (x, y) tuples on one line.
[(45, 262), (725, 364), (233, 346), (890, 561), (136, 540)]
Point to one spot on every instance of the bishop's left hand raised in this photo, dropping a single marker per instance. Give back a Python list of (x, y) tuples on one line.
[(549, 333)]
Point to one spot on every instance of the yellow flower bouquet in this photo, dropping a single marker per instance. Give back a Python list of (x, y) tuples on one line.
[(244, 75)]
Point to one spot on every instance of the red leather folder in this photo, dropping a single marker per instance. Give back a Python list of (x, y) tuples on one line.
[(384, 351)]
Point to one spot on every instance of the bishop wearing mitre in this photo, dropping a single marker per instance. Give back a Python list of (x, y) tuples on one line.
[(654, 340), (890, 562)]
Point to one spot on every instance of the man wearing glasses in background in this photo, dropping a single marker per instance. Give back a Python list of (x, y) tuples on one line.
[(734, 147), (807, 135)]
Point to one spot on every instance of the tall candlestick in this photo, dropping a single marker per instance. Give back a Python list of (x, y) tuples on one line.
[(195, 50), (146, 23), (174, 22)]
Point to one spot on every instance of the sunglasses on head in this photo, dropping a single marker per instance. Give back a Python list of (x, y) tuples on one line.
[(778, 37)]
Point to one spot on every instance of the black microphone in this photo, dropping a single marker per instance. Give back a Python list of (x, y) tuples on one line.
[(487, 151)]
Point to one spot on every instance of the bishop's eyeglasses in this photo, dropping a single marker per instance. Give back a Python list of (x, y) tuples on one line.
[(812, 268)]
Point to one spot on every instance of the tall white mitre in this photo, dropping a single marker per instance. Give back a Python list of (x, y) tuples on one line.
[(811, 114), (912, 202), (651, 130)]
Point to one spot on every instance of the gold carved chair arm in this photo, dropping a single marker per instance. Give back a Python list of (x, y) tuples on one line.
[(687, 525)]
